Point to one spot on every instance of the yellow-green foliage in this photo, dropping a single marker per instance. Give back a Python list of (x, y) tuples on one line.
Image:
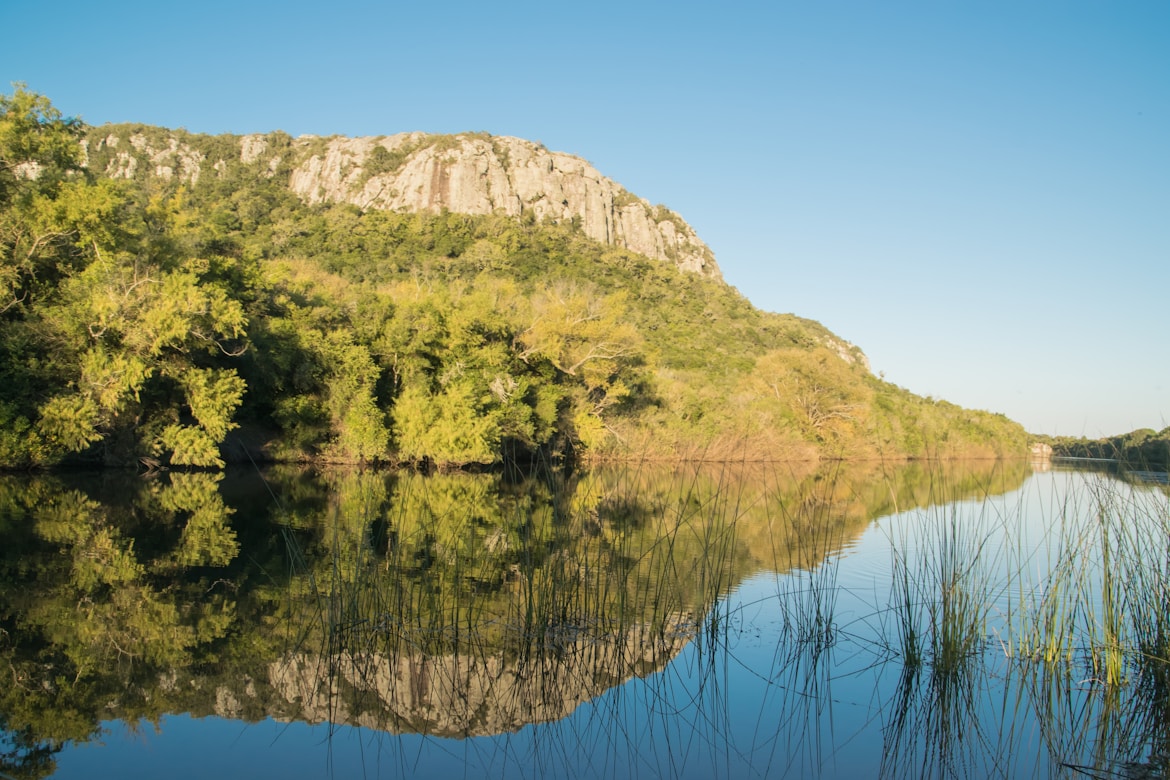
[(150, 318), (816, 392)]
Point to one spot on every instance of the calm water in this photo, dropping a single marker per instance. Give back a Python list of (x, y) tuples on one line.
[(977, 620)]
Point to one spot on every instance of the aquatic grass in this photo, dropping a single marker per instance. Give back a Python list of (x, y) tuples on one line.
[(1102, 600), (1069, 604), (644, 624), (807, 593), (1046, 632), (942, 590), (573, 597), (900, 727), (1094, 623), (1054, 585), (1094, 730), (596, 584), (1143, 520), (1108, 637)]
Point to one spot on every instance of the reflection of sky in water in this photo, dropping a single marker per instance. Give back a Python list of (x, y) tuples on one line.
[(740, 707), (1015, 537), (741, 699), (199, 748), (749, 705)]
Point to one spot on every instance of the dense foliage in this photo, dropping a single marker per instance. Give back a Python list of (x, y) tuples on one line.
[(1143, 447), (187, 319)]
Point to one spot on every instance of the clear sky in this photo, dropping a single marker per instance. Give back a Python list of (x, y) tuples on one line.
[(976, 193)]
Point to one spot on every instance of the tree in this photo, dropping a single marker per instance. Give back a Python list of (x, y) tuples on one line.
[(458, 394), (587, 337), (140, 334), (824, 396), (149, 327), (39, 150)]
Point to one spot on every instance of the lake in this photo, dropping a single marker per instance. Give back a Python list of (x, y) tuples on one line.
[(987, 619)]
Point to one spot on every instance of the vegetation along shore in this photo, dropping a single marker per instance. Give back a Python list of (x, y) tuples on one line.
[(185, 300)]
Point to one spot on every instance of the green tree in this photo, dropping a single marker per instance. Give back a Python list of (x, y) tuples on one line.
[(825, 396), (39, 149), (138, 331), (588, 338)]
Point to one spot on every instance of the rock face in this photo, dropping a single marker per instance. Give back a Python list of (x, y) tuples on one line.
[(174, 158), (471, 173), (480, 174), (477, 692)]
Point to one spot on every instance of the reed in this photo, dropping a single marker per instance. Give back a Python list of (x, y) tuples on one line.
[(942, 589), (1143, 581), (567, 596), (1094, 592), (906, 608), (1103, 596), (808, 593), (614, 576)]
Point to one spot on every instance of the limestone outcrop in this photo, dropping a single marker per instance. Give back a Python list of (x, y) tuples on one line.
[(471, 173), (481, 174)]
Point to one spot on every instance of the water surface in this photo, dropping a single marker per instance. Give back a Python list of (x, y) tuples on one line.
[(956, 620)]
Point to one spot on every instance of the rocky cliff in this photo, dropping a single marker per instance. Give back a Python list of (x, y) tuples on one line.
[(472, 173), (478, 691)]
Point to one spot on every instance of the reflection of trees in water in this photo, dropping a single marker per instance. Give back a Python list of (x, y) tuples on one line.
[(462, 606), (451, 604), (92, 608)]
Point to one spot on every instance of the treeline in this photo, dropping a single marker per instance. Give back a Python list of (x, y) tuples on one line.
[(1143, 447), (181, 321)]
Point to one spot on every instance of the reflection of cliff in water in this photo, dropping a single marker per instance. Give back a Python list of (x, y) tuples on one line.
[(454, 604), (472, 693)]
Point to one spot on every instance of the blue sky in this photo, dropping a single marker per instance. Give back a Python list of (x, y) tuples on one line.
[(977, 194)]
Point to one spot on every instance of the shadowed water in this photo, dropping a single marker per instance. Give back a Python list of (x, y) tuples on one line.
[(955, 620)]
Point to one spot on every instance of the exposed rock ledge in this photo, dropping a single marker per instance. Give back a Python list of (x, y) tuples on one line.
[(472, 173), (480, 174)]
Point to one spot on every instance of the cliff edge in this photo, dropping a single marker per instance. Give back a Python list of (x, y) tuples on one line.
[(470, 173)]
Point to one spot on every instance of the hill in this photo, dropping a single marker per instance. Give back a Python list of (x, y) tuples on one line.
[(461, 299)]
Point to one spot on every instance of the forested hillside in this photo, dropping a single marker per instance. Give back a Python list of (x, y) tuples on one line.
[(146, 315)]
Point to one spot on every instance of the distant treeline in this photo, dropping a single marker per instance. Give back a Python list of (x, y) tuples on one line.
[(1143, 447)]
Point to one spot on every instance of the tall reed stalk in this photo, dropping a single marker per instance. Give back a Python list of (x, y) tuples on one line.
[(613, 582), (941, 588)]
